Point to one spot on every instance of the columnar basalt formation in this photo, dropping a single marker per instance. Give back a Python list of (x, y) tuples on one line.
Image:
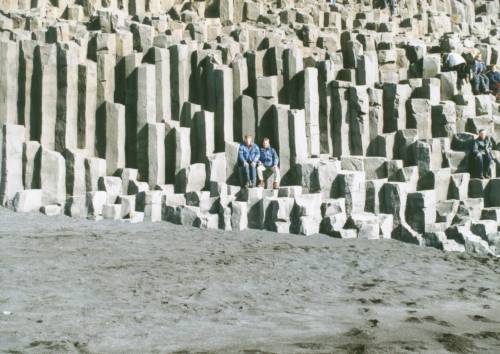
[(133, 111)]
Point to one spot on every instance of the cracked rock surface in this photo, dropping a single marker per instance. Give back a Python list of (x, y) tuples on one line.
[(133, 110)]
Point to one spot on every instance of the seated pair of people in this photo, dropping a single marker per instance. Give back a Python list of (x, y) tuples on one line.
[(255, 161), (483, 155), (484, 79)]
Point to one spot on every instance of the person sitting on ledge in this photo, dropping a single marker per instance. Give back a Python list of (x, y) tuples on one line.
[(480, 82), (248, 157), (268, 162), (494, 76), (482, 154)]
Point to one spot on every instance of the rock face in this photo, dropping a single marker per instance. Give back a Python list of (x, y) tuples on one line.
[(134, 113)]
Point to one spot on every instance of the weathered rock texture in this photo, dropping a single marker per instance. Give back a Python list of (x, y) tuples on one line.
[(133, 110)]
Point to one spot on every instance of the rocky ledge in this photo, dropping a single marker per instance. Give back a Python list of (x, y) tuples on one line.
[(133, 110)]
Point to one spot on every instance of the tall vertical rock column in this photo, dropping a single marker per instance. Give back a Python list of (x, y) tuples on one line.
[(202, 136), (223, 106), (9, 68), (87, 95), (11, 161), (160, 58), (179, 78), (43, 113), (325, 76), (26, 61), (129, 79), (282, 137), (292, 65), (105, 77), (156, 154), (359, 126), (340, 126), (52, 177), (115, 137), (67, 96), (298, 137), (146, 114), (310, 97)]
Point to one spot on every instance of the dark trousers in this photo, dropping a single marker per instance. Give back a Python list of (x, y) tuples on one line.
[(483, 163), (461, 70)]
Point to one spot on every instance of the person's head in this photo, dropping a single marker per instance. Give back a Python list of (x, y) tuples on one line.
[(265, 143), (479, 56), (482, 134), (248, 139), (494, 68)]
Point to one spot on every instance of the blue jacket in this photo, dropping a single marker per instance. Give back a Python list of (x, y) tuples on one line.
[(248, 154), (269, 157), (494, 77)]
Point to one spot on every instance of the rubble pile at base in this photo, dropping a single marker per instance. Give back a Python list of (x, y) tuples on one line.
[(134, 110)]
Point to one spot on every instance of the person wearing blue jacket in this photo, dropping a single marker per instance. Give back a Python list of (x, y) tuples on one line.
[(269, 161), (494, 76), (480, 82), (248, 157)]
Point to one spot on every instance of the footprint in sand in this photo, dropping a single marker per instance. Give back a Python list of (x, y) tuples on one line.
[(480, 318), (366, 286), (314, 346), (434, 320), (484, 335), (456, 344), (413, 320), (364, 310), (356, 332)]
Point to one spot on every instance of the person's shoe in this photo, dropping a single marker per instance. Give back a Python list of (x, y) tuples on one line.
[(252, 185), (487, 176), (481, 177), (261, 184), (276, 185), (247, 185)]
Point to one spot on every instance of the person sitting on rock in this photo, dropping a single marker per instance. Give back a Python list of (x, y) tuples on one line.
[(494, 76), (482, 153), (480, 81), (248, 157), (268, 163)]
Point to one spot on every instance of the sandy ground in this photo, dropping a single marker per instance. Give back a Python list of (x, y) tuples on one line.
[(78, 286)]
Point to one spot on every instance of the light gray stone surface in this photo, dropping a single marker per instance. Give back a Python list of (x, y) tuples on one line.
[(103, 103)]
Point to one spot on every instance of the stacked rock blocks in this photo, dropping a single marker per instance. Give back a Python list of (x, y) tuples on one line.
[(133, 110)]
